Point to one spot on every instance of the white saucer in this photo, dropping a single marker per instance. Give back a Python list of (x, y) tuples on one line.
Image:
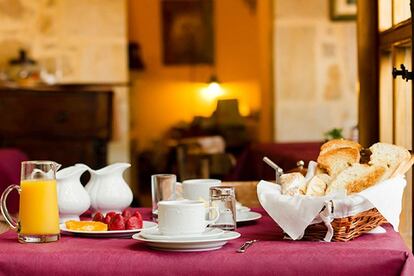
[(189, 245), (110, 233), (154, 234), (248, 216), (243, 209)]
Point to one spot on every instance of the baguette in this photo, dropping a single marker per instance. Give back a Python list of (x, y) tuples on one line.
[(356, 178)]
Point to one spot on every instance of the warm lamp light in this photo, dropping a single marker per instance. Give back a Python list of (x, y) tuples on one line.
[(213, 90), (214, 85)]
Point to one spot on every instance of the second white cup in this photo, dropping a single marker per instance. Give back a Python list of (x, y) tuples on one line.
[(198, 189), (182, 217)]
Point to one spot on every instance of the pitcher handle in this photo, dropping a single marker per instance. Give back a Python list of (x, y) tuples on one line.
[(217, 215), (9, 219)]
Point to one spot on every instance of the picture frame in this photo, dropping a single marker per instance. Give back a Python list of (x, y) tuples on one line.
[(342, 9), (187, 32)]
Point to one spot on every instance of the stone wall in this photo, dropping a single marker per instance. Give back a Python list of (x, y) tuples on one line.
[(86, 40), (315, 71)]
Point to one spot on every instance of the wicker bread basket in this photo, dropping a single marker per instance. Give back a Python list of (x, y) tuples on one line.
[(347, 228), (333, 219)]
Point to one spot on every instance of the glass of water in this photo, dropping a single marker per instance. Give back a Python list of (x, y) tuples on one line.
[(162, 188)]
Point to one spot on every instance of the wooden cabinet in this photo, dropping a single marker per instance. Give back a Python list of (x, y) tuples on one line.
[(64, 124)]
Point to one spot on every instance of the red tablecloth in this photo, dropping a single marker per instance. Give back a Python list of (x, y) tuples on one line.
[(381, 254)]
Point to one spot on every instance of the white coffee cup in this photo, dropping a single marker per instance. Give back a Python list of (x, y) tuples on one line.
[(182, 217), (198, 189)]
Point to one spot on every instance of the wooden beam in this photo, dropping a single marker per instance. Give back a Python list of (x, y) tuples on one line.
[(265, 15), (368, 72)]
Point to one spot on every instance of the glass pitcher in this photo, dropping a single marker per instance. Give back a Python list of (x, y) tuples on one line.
[(38, 212)]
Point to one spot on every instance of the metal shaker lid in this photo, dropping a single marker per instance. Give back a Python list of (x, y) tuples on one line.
[(217, 191)]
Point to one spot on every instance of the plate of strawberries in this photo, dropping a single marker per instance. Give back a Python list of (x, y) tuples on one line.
[(111, 225)]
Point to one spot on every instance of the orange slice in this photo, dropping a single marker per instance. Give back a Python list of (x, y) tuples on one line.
[(86, 225)]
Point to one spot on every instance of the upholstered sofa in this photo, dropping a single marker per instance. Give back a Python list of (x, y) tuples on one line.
[(250, 165), (10, 160)]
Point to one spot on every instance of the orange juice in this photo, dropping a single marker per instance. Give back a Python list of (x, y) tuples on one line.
[(39, 213)]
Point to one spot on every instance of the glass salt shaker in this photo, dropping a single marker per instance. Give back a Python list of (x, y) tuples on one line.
[(224, 198)]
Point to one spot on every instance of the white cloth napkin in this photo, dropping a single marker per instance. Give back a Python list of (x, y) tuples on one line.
[(294, 213)]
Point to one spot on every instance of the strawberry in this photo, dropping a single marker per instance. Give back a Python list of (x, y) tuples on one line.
[(117, 223), (111, 214), (109, 217), (98, 217), (133, 223), (138, 215), (126, 214)]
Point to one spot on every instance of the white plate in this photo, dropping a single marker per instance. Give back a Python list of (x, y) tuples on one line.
[(154, 234), (248, 216), (243, 209), (108, 234), (189, 245)]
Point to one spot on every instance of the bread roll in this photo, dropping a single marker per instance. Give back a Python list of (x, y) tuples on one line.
[(337, 160), (325, 178), (388, 156), (293, 184), (356, 178), (316, 186), (339, 143)]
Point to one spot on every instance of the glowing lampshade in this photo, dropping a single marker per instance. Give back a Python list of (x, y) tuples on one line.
[(213, 91)]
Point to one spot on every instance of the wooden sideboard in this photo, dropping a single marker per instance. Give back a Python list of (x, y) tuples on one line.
[(67, 124)]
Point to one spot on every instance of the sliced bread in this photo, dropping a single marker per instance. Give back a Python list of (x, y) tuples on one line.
[(389, 156), (339, 143), (356, 178), (337, 160)]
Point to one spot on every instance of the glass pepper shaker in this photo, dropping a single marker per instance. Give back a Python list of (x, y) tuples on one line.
[(224, 198)]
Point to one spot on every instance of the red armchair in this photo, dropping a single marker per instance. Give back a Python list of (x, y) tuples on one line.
[(250, 165)]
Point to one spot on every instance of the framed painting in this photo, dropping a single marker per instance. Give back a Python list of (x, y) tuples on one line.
[(187, 32), (343, 9)]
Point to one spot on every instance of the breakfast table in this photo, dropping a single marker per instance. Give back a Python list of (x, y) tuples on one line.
[(370, 254)]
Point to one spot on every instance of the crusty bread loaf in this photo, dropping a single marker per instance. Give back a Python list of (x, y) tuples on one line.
[(293, 184), (316, 186), (339, 170), (356, 178), (388, 156), (339, 143), (337, 160)]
